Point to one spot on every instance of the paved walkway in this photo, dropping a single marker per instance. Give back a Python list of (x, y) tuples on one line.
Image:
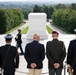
[(55, 28), (22, 27)]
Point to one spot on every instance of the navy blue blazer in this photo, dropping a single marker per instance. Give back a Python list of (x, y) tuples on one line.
[(34, 53)]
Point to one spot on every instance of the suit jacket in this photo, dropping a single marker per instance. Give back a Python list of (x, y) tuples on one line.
[(55, 52), (34, 53), (71, 58), (0, 59), (12, 58)]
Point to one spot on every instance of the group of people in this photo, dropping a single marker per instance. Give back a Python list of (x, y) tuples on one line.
[(35, 54)]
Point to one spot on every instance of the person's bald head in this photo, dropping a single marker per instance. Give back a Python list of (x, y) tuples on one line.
[(36, 37)]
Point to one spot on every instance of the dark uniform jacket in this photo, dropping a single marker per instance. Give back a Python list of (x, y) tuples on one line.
[(18, 38), (71, 58), (55, 52), (0, 59), (12, 58), (34, 53)]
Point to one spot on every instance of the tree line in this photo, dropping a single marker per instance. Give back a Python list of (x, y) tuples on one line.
[(48, 9), (39, 9), (65, 18), (10, 18), (62, 15)]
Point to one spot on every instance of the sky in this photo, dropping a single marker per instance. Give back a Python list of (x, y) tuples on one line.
[(59, 1)]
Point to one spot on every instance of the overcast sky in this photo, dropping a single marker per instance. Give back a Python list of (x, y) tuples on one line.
[(59, 1)]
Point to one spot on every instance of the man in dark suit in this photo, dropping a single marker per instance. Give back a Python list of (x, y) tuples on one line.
[(34, 55), (71, 57), (55, 52), (9, 56), (0, 64)]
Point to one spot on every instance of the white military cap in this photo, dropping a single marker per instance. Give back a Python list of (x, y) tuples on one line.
[(8, 36)]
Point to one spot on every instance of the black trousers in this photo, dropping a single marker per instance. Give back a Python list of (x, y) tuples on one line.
[(9, 73), (20, 46)]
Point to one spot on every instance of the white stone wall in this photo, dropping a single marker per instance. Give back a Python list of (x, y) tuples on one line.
[(37, 24)]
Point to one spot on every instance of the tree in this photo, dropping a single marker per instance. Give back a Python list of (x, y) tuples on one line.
[(60, 6), (51, 10), (65, 18), (10, 18), (37, 9), (48, 10), (73, 6), (3, 19)]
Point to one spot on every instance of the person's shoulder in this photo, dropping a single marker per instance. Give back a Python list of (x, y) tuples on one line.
[(28, 43), (49, 41), (13, 47), (2, 46), (72, 41), (61, 41), (41, 44)]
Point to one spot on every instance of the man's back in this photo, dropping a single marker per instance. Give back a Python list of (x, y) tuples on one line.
[(35, 49), (55, 52), (35, 52), (34, 55), (8, 57), (71, 58), (55, 49)]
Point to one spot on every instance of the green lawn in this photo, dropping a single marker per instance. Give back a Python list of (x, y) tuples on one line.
[(25, 30), (49, 29), (14, 28)]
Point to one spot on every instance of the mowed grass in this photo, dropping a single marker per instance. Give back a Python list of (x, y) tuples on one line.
[(14, 28), (49, 30), (61, 28), (25, 30)]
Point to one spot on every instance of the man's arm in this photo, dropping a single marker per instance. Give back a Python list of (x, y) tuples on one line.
[(42, 55), (69, 53), (48, 54), (0, 57), (26, 55), (17, 59), (63, 55)]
